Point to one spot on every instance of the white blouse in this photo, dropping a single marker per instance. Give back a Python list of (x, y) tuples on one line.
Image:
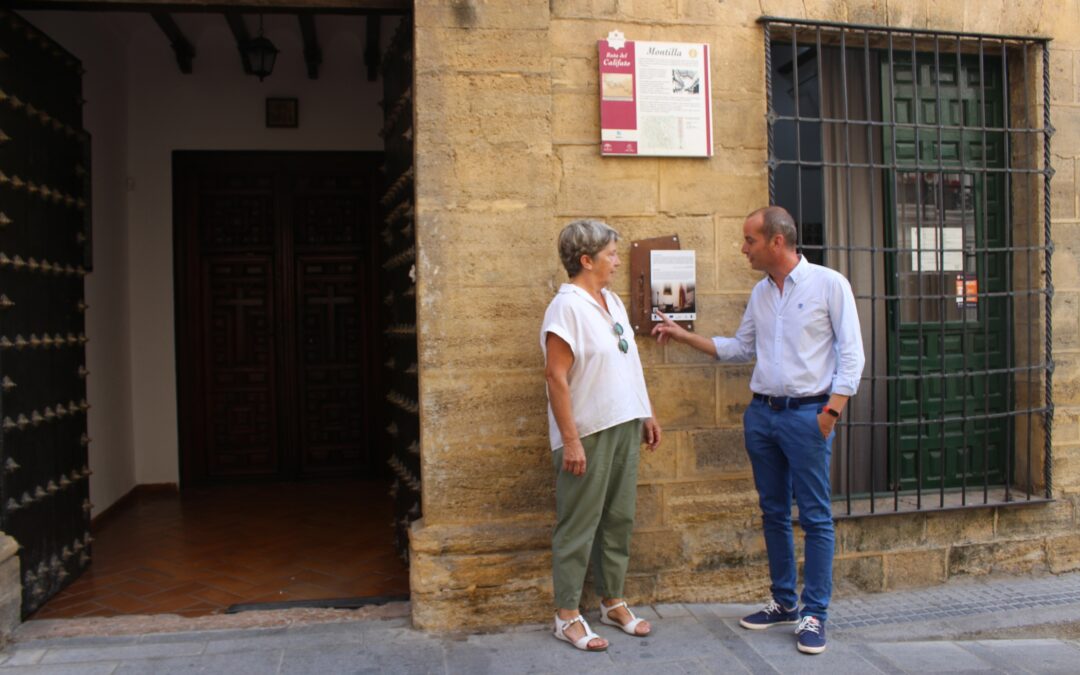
[(607, 387)]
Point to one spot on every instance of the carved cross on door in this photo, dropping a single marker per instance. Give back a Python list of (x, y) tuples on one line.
[(239, 303), (330, 301)]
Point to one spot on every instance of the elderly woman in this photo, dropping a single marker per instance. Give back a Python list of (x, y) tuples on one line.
[(598, 415)]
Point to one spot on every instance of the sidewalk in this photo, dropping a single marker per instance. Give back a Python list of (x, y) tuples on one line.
[(997, 625)]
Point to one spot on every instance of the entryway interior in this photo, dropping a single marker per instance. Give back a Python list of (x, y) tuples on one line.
[(240, 460), (206, 549)]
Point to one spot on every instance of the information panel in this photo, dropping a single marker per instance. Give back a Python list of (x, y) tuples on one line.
[(674, 285), (655, 98)]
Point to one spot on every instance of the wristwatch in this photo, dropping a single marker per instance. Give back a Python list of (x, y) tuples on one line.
[(832, 411)]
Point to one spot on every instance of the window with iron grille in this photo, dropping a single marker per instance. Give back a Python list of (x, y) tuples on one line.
[(917, 163)]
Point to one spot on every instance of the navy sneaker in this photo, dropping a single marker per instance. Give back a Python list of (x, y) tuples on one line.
[(811, 632), (772, 615)]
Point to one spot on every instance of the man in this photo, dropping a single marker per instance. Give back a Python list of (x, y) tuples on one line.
[(802, 327)]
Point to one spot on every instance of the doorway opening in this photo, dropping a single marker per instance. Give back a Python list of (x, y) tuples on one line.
[(249, 442)]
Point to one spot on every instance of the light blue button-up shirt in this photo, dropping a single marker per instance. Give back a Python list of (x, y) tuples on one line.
[(807, 341)]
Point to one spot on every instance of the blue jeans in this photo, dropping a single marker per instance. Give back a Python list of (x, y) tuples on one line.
[(787, 451)]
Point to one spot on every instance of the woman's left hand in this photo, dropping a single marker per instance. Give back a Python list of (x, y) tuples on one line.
[(650, 433)]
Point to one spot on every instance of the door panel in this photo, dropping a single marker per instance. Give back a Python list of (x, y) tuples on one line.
[(334, 286), (332, 343), (947, 217), (44, 239), (241, 393)]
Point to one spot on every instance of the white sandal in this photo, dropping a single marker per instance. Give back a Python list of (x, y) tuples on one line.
[(630, 627), (582, 642)]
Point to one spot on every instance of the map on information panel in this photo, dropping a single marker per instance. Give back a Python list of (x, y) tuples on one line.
[(655, 98)]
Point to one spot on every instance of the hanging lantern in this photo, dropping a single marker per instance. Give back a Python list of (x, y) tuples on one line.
[(261, 54)]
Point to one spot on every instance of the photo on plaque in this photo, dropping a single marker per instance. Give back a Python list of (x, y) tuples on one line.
[(618, 87), (673, 285), (684, 81)]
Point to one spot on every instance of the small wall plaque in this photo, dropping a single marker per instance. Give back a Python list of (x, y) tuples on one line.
[(282, 113)]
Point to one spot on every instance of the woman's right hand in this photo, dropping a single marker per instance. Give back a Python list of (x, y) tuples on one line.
[(573, 459)]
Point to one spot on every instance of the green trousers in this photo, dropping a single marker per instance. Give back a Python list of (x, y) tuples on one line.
[(595, 513)]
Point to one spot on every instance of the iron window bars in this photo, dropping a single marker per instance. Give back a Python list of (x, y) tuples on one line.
[(911, 160)]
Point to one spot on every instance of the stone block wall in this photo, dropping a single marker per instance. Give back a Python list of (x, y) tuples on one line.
[(10, 588), (507, 129)]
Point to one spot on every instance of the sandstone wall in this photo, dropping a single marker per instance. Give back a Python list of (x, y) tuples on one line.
[(506, 131)]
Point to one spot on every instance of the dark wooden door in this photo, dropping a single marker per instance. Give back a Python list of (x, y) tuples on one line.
[(947, 224), (44, 253), (275, 313)]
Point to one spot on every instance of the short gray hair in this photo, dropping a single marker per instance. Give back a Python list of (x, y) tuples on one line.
[(776, 220), (587, 236)]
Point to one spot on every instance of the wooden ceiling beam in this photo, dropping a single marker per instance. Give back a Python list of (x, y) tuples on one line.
[(180, 44), (219, 6), (312, 51), (372, 53), (240, 34)]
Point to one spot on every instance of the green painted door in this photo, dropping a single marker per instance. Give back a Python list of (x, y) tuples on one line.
[(947, 224)]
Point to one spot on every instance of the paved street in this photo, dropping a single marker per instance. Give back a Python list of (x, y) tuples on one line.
[(999, 625)]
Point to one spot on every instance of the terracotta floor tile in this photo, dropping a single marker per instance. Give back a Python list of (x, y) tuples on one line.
[(78, 609), (125, 604), (228, 584), (218, 597), (211, 547), (135, 587)]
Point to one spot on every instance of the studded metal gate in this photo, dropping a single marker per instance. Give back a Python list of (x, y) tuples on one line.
[(44, 252), (399, 283)]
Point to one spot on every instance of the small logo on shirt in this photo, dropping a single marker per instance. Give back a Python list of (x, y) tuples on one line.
[(800, 305)]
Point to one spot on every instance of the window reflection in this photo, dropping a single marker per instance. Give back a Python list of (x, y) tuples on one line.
[(936, 218)]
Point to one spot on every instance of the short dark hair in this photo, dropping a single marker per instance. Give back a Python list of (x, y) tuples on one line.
[(776, 220)]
